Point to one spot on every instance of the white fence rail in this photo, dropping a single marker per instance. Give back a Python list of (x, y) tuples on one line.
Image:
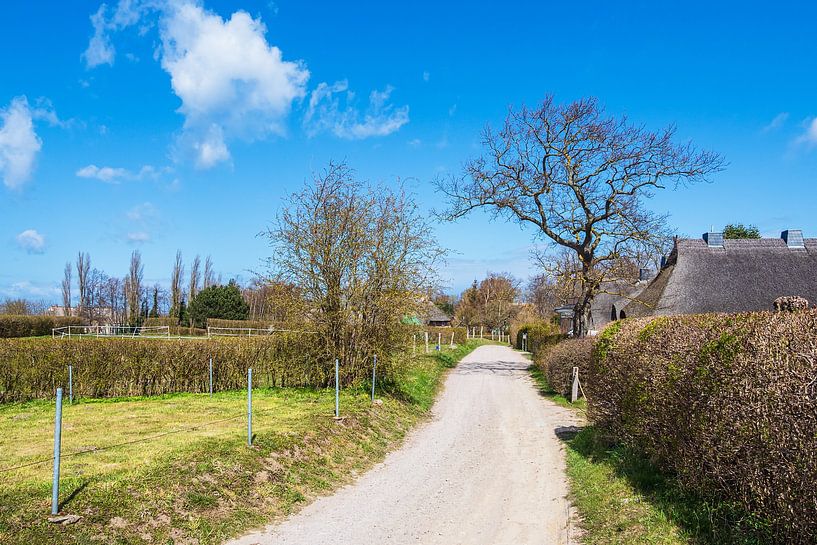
[(160, 331)]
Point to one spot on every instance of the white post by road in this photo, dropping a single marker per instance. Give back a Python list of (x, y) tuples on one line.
[(452, 339), (426, 333), (337, 388), (574, 393)]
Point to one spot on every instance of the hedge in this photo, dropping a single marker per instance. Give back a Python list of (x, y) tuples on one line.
[(34, 326), (558, 363), (444, 333), (254, 324), (34, 368), (541, 335), (727, 403)]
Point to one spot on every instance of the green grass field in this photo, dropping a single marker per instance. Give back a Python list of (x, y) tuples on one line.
[(176, 468)]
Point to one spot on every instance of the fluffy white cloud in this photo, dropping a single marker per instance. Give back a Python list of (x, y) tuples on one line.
[(19, 144), (326, 114), (232, 83), (114, 175), (31, 241), (105, 174)]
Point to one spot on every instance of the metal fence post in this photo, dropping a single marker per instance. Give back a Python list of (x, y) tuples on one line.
[(211, 376), (337, 389), (55, 483), (374, 375), (249, 407), (574, 393), (71, 384)]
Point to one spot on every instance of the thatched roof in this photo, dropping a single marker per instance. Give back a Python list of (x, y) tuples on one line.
[(435, 314), (730, 276)]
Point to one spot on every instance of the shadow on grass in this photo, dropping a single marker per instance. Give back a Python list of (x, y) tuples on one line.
[(702, 520), (74, 493)]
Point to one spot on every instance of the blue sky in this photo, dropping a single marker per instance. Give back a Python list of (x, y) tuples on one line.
[(133, 126)]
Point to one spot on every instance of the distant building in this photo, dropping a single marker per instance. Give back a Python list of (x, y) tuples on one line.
[(436, 317), (97, 315), (713, 274)]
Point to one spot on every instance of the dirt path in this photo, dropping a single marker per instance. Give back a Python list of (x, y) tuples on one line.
[(487, 469)]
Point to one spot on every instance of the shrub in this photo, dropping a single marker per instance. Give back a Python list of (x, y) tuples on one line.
[(541, 335), (558, 362), (254, 324), (34, 368), (727, 403), (34, 326)]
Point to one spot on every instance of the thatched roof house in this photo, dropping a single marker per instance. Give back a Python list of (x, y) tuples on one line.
[(713, 274), (436, 317)]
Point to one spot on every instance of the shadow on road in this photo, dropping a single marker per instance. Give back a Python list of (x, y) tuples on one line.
[(493, 367)]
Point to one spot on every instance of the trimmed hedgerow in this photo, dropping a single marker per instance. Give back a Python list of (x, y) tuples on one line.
[(726, 403), (34, 368), (34, 326), (541, 336), (558, 362)]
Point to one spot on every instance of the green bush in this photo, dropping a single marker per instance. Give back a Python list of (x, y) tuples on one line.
[(34, 326), (34, 368), (541, 336), (727, 403), (558, 362)]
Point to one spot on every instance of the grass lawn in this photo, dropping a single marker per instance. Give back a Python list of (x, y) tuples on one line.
[(177, 468), (623, 500)]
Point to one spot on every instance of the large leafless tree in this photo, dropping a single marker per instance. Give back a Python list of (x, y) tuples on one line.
[(359, 256), (580, 178)]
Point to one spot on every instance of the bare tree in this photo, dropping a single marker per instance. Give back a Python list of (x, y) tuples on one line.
[(113, 296), (133, 288), (359, 255), (66, 288), (209, 273), (580, 178), (490, 302), (195, 278), (176, 289), (83, 268)]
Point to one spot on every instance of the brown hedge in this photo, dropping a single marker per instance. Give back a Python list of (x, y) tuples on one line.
[(558, 363), (728, 403), (34, 368), (12, 326)]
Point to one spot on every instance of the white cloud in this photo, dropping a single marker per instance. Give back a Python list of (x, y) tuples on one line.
[(231, 81), (31, 241), (776, 122), (809, 136), (105, 174), (28, 288), (142, 212), (138, 237), (325, 113), (114, 175), (19, 144)]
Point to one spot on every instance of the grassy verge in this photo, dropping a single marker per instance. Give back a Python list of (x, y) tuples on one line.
[(623, 499), (545, 390), (177, 468)]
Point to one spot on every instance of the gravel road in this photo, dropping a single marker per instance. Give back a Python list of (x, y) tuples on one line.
[(486, 469)]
